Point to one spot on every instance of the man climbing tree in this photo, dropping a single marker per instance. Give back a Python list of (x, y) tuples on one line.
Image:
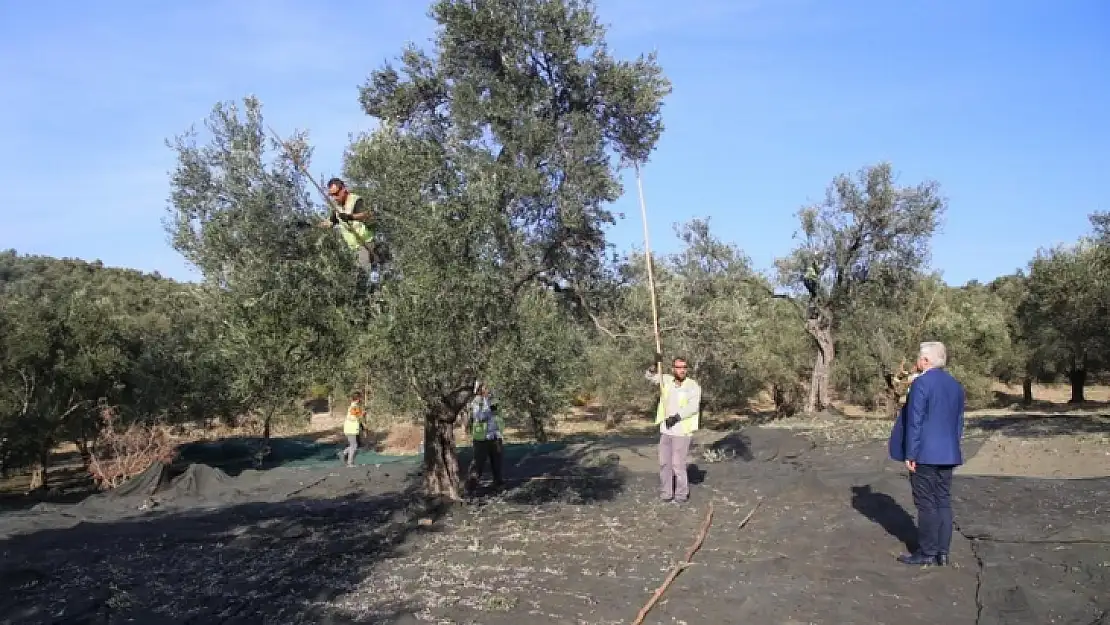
[(349, 212), (492, 164)]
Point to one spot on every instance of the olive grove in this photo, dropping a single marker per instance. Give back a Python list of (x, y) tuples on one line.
[(497, 154)]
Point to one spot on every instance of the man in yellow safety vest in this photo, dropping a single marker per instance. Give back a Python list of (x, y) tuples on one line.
[(355, 221), (353, 425), (677, 416)]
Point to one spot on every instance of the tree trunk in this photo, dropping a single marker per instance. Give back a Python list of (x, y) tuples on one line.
[(1078, 379), (40, 472), (82, 445), (613, 418), (538, 428), (778, 396), (441, 458), (263, 450), (1027, 391), (820, 328)]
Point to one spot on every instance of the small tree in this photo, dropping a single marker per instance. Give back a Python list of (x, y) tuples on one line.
[(491, 173), (863, 246)]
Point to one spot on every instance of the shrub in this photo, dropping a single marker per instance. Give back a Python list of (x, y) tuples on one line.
[(121, 453)]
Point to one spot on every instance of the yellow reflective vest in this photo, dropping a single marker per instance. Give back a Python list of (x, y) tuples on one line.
[(353, 423), (689, 393), (355, 233)]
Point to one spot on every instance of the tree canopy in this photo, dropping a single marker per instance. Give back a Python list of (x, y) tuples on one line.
[(492, 172)]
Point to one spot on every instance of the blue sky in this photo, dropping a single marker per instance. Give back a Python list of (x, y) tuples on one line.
[(1005, 103)]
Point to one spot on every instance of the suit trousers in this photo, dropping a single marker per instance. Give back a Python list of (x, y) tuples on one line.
[(932, 496)]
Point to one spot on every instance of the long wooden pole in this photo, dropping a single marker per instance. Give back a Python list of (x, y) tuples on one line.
[(327, 198), (651, 276)]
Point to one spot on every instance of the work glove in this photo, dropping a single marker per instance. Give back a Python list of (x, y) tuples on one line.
[(672, 420)]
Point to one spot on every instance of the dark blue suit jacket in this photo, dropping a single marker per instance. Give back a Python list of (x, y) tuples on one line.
[(931, 424)]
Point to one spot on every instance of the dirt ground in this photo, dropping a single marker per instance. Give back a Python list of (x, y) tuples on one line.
[(1064, 456), (579, 537)]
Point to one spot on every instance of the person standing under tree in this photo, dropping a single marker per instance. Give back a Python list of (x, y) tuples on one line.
[(926, 437), (486, 429), (352, 427), (677, 415)]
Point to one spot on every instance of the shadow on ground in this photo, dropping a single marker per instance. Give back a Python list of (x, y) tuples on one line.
[(542, 473), (248, 563), (296, 559), (1037, 426), (885, 511), (1015, 401)]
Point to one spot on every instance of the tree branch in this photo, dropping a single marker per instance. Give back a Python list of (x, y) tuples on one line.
[(455, 399), (584, 305)]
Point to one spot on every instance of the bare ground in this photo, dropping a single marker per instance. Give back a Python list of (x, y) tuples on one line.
[(578, 538)]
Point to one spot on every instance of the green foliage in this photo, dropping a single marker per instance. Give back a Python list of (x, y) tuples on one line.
[(491, 175), (535, 366), (868, 240), (285, 295), (1064, 315), (75, 337), (715, 311)]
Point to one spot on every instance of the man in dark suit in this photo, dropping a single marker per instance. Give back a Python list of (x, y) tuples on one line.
[(926, 437)]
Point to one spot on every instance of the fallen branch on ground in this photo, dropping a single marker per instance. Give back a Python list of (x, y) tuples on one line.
[(119, 454), (678, 568), (750, 515)]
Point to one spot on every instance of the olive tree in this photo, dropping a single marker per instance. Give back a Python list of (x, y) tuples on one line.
[(1063, 316), (496, 156), (865, 244), (286, 296)]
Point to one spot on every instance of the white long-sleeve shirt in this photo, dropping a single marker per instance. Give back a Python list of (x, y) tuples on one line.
[(687, 389)]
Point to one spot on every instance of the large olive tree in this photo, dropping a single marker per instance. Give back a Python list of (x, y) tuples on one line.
[(496, 156)]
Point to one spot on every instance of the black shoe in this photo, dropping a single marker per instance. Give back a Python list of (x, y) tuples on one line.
[(942, 559), (917, 559)]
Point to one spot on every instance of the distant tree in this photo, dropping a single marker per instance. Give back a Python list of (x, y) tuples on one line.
[(864, 246), (78, 338), (491, 173), (1021, 365), (1064, 316), (1100, 225)]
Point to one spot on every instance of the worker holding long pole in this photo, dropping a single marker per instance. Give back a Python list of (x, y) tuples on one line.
[(679, 408), (350, 210), (346, 210)]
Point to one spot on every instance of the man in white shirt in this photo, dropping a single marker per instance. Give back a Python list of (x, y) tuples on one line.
[(677, 414)]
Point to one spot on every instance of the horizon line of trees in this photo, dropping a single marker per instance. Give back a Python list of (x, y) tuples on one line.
[(490, 175), (77, 336)]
